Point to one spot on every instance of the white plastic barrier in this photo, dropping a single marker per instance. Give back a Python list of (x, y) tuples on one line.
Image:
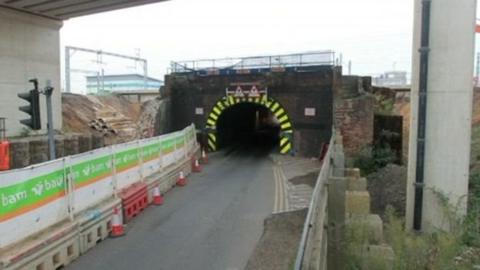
[(150, 156), (92, 176), (127, 161), (168, 150), (31, 200), (36, 197)]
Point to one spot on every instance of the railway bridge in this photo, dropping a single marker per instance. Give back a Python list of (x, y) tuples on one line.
[(289, 97)]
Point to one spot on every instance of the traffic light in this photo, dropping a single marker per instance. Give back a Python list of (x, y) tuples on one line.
[(33, 109)]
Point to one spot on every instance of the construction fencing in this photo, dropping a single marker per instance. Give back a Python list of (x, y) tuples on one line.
[(39, 196)]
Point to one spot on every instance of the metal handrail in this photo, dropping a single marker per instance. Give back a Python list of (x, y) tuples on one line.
[(309, 222), (315, 58)]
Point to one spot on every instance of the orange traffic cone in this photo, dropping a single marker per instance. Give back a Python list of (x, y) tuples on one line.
[(157, 196), (117, 226), (204, 157), (182, 181), (196, 166)]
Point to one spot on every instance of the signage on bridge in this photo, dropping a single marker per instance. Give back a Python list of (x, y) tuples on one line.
[(242, 90)]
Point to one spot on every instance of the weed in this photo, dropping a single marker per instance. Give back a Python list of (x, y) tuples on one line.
[(371, 159), (439, 250)]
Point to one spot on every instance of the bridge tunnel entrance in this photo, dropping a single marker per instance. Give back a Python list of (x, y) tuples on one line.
[(246, 126), (249, 123)]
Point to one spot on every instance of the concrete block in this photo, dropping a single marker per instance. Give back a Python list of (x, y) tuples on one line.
[(357, 184), (19, 153), (354, 173), (71, 145), (38, 150), (357, 203), (84, 143), (98, 141), (370, 226), (50, 250), (94, 230)]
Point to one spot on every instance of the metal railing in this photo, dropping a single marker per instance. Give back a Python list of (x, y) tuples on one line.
[(316, 58), (313, 243)]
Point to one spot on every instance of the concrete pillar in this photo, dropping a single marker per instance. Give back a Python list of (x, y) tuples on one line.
[(449, 109), (29, 48)]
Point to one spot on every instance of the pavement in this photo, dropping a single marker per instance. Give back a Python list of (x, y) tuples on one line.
[(278, 246), (212, 223), (296, 177)]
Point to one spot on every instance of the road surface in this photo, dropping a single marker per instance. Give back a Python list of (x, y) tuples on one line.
[(212, 223)]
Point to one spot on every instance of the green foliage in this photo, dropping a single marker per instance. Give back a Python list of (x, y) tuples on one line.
[(472, 222), (475, 151), (427, 251), (458, 249), (384, 105), (371, 159), (358, 237)]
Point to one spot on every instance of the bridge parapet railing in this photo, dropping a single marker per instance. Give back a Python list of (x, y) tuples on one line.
[(316, 58), (312, 250)]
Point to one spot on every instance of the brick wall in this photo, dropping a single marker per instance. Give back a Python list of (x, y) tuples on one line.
[(354, 114)]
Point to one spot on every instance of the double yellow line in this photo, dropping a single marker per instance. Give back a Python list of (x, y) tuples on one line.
[(281, 200)]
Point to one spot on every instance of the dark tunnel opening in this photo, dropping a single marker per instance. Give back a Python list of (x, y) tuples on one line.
[(248, 126)]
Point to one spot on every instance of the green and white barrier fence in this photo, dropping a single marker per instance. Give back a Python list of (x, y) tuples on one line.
[(39, 196)]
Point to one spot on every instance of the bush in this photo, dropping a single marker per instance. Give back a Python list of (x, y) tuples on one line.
[(371, 159), (427, 251), (472, 222)]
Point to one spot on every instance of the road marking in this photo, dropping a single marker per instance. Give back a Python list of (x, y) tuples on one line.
[(275, 204), (281, 196), (281, 192), (283, 181)]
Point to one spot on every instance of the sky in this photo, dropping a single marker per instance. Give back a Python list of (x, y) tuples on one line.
[(376, 35)]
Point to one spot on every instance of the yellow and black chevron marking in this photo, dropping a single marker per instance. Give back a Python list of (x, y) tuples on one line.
[(212, 141), (285, 144), (276, 108)]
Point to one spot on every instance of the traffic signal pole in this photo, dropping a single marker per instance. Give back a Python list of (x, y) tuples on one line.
[(51, 137), (32, 108)]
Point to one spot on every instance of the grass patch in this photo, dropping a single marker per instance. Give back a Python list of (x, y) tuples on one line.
[(371, 159), (427, 251), (458, 249)]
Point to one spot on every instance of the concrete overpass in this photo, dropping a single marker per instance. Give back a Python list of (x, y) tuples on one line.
[(66, 9), (30, 48)]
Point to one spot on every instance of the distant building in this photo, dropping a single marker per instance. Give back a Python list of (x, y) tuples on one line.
[(122, 83), (391, 79)]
